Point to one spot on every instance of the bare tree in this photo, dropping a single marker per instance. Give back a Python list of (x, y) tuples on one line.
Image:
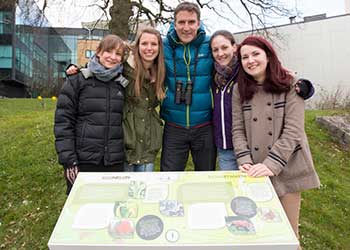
[(25, 11), (126, 15), (255, 13), (121, 11), (7, 4)]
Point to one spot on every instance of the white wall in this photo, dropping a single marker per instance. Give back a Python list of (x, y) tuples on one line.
[(318, 50), (347, 6)]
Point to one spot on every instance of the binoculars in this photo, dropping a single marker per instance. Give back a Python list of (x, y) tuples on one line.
[(183, 94)]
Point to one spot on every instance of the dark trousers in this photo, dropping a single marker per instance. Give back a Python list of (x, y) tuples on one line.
[(178, 142), (95, 168)]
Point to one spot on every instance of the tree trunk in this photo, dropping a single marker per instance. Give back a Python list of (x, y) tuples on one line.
[(120, 14)]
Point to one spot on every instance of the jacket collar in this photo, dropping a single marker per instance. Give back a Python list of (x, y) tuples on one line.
[(121, 79), (131, 60)]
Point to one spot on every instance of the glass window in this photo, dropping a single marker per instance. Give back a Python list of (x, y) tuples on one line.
[(5, 22), (5, 57), (5, 63), (89, 53), (5, 51)]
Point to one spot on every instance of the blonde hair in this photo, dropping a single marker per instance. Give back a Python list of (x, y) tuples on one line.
[(158, 65)]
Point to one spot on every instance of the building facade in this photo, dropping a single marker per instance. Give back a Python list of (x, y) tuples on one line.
[(34, 55), (28, 46), (82, 42)]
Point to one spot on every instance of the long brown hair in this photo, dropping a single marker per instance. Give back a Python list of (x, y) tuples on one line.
[(158, 65), (278, 79)]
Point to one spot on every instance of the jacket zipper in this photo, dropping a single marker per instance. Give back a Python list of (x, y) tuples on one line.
[(108, 117), (222, 106), (188, 64), (188, 73)]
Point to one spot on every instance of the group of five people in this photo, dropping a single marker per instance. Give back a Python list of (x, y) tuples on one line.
[(217, 98)]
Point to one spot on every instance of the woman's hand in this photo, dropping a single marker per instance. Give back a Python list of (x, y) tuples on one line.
[(258, 170), (245, 167), (71, 173)]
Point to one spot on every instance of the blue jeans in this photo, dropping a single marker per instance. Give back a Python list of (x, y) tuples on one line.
[(147, 167), (227, 159)]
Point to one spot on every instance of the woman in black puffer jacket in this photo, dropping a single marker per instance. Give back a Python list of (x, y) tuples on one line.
[(88, 118)]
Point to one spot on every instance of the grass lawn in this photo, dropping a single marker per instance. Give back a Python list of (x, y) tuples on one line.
[(32, 188)]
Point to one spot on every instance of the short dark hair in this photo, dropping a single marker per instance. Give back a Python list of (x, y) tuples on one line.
[(188, 6), (228, 35)]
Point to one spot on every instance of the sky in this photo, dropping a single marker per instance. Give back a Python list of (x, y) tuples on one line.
[(72, 13), (305, 7)]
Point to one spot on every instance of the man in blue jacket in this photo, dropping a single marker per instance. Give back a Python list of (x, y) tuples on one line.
[(187, 108)]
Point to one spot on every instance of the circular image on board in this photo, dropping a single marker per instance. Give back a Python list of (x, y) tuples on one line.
[(149, 227), (172, 235), (244, 206)]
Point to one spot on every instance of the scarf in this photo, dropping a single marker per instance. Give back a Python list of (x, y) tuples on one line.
[(101, 72), (224, 74)]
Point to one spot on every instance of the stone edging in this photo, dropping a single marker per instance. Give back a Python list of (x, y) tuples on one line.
[(338, 127)]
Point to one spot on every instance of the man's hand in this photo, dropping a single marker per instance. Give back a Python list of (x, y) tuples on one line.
[(72, 70), (258, 170)]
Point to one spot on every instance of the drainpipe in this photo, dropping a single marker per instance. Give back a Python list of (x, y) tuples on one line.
[(13, 70)]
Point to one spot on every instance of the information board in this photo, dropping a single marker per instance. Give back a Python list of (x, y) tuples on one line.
[(176, 210)]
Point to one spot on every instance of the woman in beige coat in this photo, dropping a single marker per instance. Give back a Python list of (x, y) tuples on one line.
[(268, 126)]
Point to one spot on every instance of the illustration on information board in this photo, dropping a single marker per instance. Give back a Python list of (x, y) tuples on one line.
[(179, 209)]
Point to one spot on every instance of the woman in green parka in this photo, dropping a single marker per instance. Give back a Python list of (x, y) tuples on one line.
[(142, 126)]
